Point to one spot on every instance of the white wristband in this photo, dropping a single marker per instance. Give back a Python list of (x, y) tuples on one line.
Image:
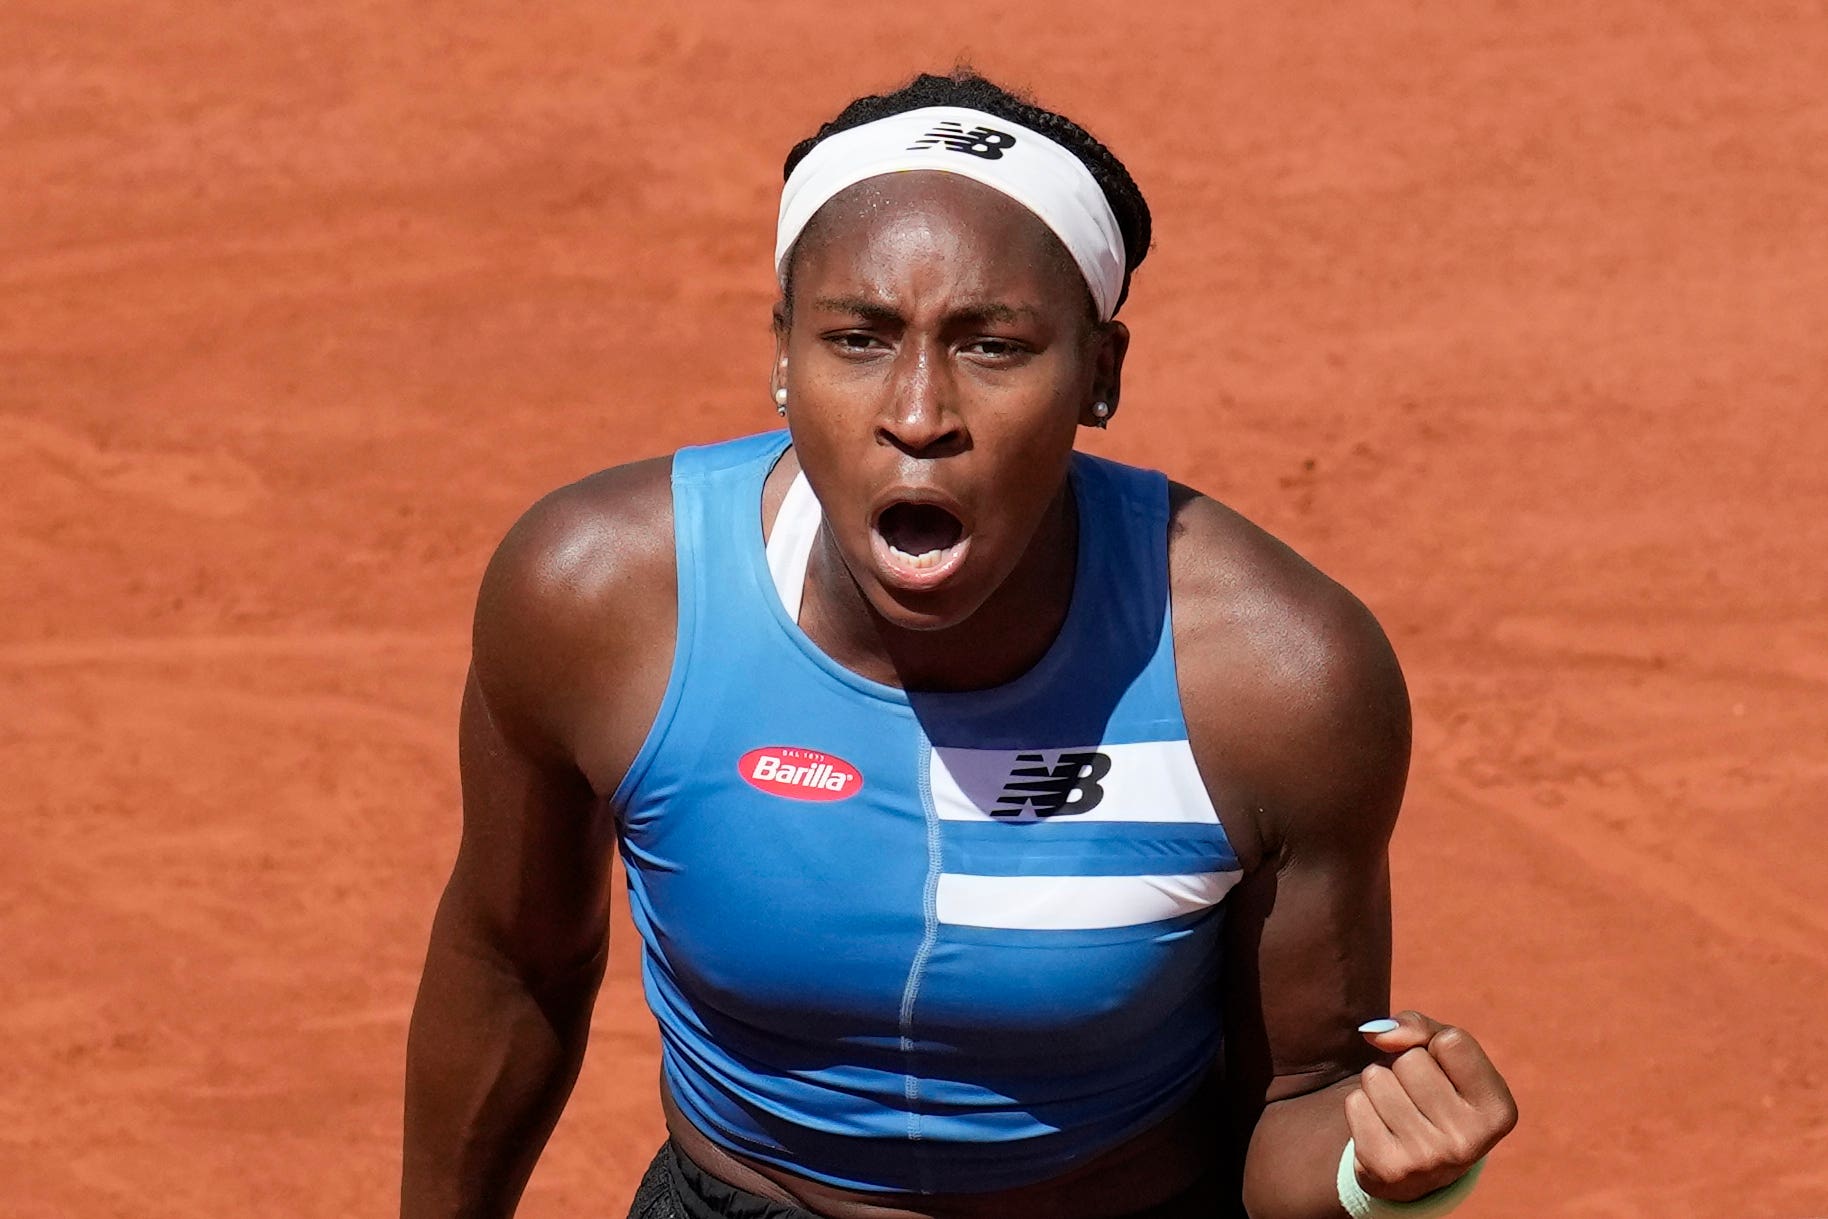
[(1361, 1205)]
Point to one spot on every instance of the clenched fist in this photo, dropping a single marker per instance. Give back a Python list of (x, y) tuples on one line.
[(1419, 1123)]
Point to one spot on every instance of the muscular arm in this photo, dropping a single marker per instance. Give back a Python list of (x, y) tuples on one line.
[(516, 954), (563, 661), (1300, 719), (1309, 943)]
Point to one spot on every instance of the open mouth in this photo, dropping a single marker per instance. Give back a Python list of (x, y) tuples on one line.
[(919, 544)]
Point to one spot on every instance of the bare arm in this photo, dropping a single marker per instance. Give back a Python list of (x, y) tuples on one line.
[(1310, 942), (562, 652), (516, 954), (1297, 704)]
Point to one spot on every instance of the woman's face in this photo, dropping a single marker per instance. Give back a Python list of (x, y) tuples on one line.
[(940, 354)]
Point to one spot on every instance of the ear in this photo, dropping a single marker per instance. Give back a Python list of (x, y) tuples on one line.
[(778, 378), (1111, 342)]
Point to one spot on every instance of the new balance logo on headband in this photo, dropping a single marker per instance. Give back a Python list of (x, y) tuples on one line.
[(985, 142)]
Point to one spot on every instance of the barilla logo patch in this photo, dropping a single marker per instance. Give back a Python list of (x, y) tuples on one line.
[(799, 774)]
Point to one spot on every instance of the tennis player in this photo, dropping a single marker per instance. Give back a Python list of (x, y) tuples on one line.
[(1006, 828)]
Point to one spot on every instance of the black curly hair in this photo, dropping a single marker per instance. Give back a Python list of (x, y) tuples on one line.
[(964, 87)]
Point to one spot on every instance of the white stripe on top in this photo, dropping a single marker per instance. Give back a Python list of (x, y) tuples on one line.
[(1076, 903), (796, 526), (1142, 781)]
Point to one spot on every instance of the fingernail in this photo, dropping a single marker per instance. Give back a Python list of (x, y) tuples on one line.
[(1379, 1026)]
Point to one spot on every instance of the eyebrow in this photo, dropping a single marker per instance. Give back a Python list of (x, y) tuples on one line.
[(879, 313)]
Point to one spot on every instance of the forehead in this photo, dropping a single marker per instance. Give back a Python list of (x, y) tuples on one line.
[(883, 226)]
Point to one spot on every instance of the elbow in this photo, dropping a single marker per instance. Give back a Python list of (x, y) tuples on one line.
[(568, 988)]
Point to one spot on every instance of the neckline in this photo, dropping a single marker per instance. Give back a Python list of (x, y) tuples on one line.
[(1018, 687)]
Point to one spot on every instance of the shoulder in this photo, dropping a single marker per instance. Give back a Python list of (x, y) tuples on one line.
[(581, 593), (1295, 701)]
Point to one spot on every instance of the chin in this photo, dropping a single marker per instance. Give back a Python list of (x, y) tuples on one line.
[(937, 609)]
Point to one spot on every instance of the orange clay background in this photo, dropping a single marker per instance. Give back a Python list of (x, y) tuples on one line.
[(1510, 316)]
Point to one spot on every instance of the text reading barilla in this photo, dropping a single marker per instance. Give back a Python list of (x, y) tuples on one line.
[(799, 774)]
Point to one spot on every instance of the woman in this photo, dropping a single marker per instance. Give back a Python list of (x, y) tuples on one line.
[(972, 881)]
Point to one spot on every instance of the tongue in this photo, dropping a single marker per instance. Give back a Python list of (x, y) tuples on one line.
[(919, 528)]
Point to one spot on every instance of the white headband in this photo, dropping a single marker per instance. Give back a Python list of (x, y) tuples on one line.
[(1025, 165)]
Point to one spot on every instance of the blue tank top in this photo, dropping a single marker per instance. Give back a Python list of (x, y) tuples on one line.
[(923, 942)]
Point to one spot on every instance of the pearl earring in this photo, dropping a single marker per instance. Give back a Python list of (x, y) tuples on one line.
[(780, 401), (1101, 411)]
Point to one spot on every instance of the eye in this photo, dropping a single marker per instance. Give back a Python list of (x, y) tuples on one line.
[(854, 342), (991, 347)]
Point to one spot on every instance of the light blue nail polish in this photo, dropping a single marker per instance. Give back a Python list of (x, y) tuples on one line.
[(1379, 1026)]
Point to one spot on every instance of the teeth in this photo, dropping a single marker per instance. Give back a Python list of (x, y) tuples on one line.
[(919, 562)]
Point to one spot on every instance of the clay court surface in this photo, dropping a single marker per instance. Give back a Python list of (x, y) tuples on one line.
[(1511, 317)]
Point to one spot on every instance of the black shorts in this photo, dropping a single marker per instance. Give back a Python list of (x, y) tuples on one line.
[(676, 1188)]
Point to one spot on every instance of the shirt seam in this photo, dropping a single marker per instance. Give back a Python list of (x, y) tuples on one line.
[(917, 968)]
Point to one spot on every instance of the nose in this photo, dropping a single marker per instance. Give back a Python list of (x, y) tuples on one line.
[(920, 414)]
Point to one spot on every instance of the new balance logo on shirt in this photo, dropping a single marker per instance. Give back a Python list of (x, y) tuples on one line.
[(1067, 787)]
